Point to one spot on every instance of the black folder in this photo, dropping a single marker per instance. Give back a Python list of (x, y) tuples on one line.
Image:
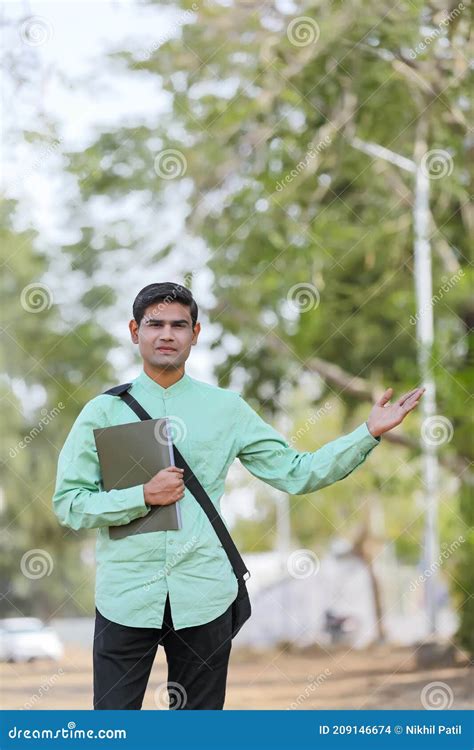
[(131, 454)]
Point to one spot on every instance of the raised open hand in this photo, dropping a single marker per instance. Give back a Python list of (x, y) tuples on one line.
[(385, 416)]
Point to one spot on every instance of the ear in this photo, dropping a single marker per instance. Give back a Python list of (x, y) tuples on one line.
[(196, 332), (133, 328)]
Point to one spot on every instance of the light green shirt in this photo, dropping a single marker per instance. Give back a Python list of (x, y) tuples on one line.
[(212, 426)]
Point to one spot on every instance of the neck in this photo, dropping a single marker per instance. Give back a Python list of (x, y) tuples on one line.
[(163, 376)]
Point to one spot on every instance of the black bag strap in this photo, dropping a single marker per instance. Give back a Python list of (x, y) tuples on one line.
[(194, 486)]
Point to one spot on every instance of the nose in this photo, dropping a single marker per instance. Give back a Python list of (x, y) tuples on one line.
[(165, 334)]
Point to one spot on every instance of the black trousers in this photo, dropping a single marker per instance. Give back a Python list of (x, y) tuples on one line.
[(198, 658)]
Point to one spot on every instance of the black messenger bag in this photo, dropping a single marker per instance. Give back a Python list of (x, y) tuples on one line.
[(241, 609)]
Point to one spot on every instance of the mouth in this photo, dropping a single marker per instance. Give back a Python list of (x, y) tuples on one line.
[(166, 349)]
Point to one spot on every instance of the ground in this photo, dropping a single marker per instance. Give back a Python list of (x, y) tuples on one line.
[(379, 678)]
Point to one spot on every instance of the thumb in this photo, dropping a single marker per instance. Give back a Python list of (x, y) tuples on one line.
[(385, 397)]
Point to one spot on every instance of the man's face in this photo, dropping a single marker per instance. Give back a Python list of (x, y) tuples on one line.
[(165, 335)]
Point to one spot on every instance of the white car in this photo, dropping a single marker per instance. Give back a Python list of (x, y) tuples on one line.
[(27, 639)]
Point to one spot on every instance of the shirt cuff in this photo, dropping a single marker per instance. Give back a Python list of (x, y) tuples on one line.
[(135, 500), (365, 432)]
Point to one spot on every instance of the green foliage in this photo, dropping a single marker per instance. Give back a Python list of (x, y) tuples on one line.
[(51, 369), (465, 573)]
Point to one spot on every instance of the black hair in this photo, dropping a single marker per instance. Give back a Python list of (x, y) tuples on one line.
[(166, 291)]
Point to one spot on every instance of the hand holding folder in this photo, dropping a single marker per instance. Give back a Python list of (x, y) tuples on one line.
[(132, 454)]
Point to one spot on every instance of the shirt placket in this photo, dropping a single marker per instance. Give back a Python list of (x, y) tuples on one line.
[(170, 543)]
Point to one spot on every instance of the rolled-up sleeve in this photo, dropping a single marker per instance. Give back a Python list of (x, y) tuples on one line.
[(268, 456), (79, 501)]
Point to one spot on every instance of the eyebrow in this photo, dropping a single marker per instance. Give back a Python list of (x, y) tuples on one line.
[(157, 320)]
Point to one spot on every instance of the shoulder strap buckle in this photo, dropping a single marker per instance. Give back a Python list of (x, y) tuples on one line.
[(117, 390)]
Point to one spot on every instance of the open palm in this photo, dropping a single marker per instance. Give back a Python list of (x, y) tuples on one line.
[(384, 416)]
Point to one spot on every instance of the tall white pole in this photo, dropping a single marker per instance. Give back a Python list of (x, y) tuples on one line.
[(424, 328), (424, 332)]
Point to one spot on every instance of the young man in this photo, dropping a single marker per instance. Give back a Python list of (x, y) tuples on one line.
[(176, 588)]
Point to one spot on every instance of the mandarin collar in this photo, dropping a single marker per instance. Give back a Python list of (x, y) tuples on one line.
[(156, 389)]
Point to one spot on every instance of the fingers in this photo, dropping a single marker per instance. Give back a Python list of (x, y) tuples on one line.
[(419, 391), (174, 468), (413, 401), (405, 396), (386, 396)]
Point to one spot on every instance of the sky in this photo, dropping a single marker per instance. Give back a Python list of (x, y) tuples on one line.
[(68, 84)]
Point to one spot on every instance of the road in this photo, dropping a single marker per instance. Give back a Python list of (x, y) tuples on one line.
[(280, 678)]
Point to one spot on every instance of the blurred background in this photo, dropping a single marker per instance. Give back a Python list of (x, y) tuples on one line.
[(303, 167)]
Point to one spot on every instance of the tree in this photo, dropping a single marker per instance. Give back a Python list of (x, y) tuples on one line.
[(309, 240)]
